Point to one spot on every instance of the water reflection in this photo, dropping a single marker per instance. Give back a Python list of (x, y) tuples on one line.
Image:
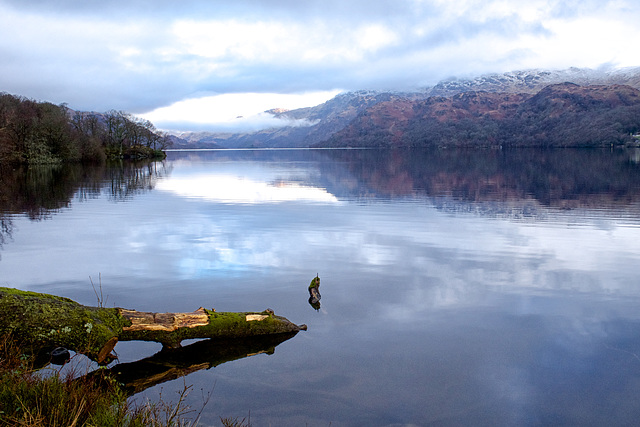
[(167, 365), (518, 184), (128, 179), (224, 187), (505, 182), (466, 287), (39, 191), (6, 229), (564, 179)]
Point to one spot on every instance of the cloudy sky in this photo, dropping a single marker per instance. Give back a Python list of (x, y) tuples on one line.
[(200, 64)]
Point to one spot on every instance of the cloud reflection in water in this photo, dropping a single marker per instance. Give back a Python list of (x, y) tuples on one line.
[(225, 188)]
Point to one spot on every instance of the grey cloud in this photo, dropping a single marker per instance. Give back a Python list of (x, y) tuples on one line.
[(87, 69), (321, 9), (390, 68)]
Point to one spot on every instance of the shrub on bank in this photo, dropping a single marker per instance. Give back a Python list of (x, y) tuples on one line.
[(28, 397)]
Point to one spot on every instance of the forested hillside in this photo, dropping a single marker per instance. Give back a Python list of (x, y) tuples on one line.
[(562, 115), (317, 124), (41, 132)]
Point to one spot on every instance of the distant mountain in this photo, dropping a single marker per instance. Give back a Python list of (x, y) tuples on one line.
[(190, 140), (561, 115), (326, 119), (334, 115), (532, 81)]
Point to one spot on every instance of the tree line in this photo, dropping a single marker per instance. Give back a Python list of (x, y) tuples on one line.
[(42, 132)]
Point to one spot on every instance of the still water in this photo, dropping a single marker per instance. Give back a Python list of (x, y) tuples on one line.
[(458, 287)]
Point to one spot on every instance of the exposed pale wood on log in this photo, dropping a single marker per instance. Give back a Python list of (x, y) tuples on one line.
[(255, 317), (142, 320)]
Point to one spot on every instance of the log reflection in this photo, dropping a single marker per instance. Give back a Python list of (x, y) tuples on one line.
[(170, 364)]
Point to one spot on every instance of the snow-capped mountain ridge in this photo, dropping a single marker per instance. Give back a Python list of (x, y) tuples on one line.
[(334, 115)]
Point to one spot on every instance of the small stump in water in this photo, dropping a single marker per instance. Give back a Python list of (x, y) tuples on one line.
[(314, 293)]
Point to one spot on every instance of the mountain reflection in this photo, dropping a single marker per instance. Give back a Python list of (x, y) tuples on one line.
[(553, 178), (511, 183), (563, 178)]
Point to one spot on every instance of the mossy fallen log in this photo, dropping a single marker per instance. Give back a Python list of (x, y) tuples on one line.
[(42, 322)]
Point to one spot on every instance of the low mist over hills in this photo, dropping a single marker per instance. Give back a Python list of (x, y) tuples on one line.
[(327, 120)]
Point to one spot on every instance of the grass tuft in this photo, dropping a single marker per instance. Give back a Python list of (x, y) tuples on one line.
[(29, 398), (235, 422)]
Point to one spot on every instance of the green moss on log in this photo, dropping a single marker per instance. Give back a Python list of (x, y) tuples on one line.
[(315, 282), (42, 321), (221, 325)]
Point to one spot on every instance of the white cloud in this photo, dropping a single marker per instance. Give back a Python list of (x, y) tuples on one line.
[(122, 55), (234, 111), (231, 39), (590, 42), (266, 41)]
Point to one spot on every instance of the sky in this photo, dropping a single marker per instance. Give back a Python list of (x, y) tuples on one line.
[(218, 65)]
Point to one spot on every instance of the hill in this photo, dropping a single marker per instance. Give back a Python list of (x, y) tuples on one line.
[(334, 115), (565, 115), (324, 119)]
